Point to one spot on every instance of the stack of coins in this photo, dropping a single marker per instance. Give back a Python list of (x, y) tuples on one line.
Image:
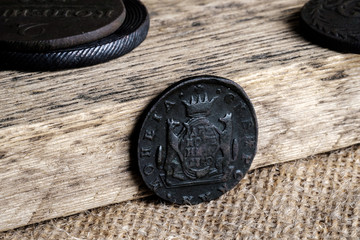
[(58, 34)]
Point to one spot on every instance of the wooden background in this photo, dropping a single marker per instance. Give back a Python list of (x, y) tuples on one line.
[(64, 136)]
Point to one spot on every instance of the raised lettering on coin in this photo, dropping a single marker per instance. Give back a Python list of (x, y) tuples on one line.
[(149, 134), (145, 152), (149, 169)]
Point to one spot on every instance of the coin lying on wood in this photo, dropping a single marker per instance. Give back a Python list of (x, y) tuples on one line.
[(40, 25), (128, 36), (333, 24), (197, 140)]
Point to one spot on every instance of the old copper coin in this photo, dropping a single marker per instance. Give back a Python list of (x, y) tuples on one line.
[(127, 37), (333, 23), (198, 140), (40, 25)]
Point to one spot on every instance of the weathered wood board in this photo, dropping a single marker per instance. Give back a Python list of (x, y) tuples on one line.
[(64, 136)]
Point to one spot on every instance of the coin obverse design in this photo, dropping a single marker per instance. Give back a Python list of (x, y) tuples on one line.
[(198, 140), (334, 23), (39, 25), (128, 36)]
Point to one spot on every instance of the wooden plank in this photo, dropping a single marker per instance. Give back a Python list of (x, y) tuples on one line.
[(64, 136)]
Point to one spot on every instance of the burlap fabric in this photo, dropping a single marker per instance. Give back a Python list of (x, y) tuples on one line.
[(316, 198)]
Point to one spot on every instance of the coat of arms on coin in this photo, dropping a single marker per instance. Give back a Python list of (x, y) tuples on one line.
[(334, 23), (197, 140)]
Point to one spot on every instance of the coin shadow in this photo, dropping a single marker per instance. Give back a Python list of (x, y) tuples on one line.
[(302, 30), (133, 167), (26, 70), (11, 66), (7, 64)]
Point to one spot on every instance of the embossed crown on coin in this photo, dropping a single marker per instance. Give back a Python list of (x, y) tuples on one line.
[(199, 107)]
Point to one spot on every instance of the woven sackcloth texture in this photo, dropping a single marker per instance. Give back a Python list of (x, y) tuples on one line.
[(316, 198)]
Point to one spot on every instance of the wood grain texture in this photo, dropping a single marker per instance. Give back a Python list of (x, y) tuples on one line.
[(65, 136)]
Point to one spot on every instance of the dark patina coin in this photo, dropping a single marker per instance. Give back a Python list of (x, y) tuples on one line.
[(333, 23), (130, 34), (40, 25), (197, 140)]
